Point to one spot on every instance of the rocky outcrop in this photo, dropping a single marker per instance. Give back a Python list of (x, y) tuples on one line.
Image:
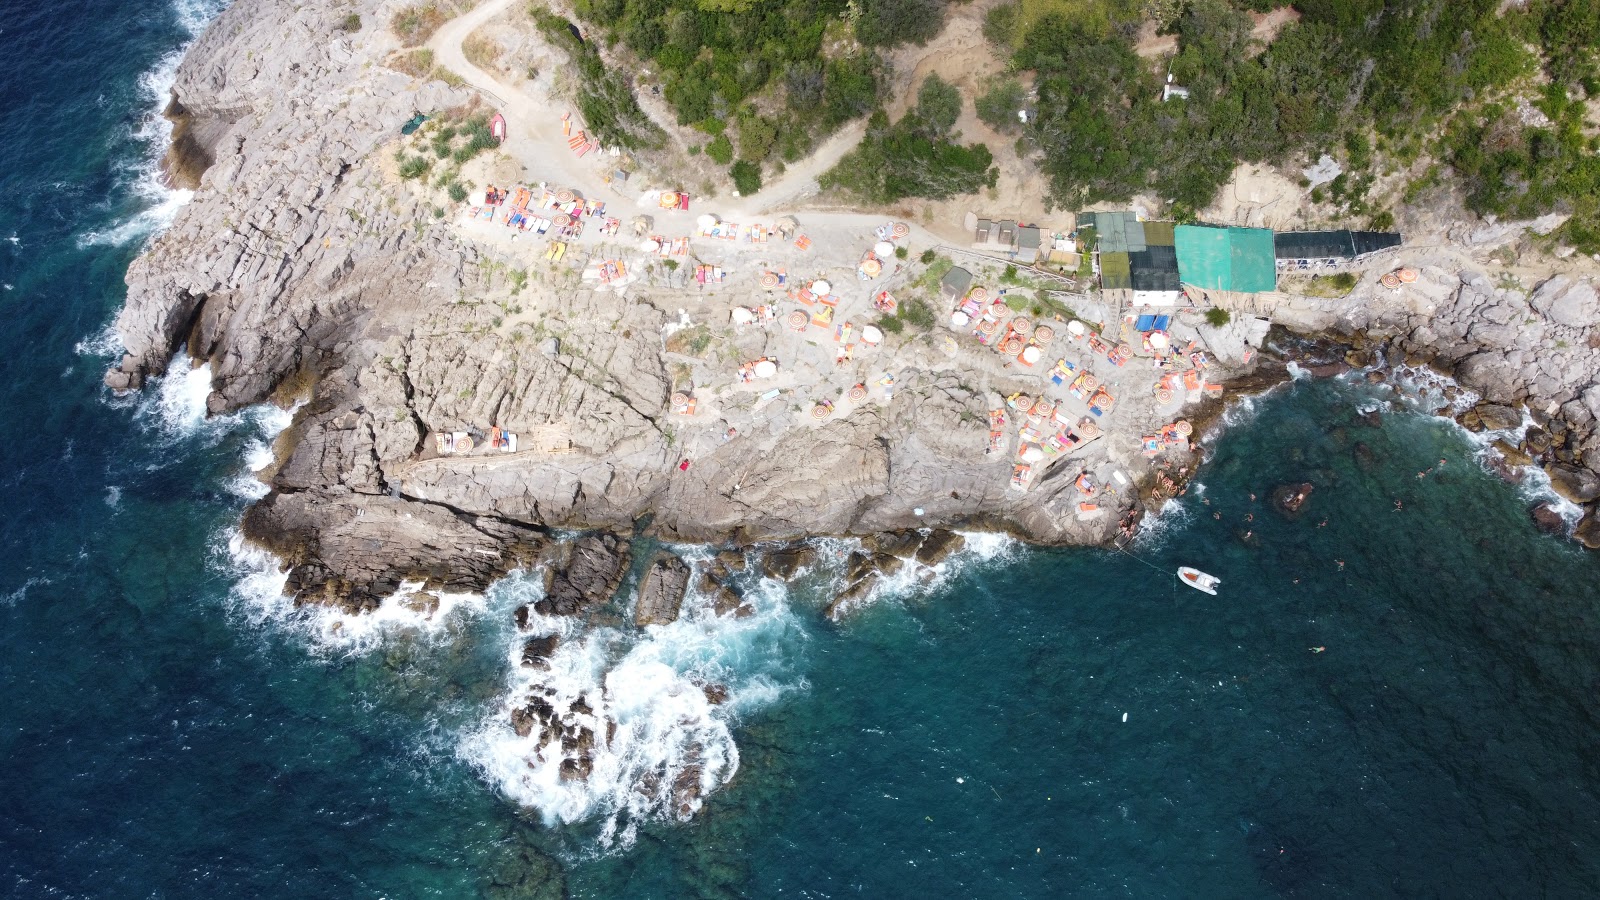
[(352, 551), (1573, 483), (1567, 302), (786, 562), (661, 591), (590, 574), (938, 545)]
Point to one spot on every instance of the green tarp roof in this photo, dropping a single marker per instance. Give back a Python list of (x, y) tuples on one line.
[(1120, 232), (1226, 259), (1116, 271)]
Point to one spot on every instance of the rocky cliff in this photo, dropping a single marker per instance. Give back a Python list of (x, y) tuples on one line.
[(306, 267)]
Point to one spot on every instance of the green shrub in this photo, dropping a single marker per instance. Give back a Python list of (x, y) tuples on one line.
[(928, 256), (457, 191), (889, 22), (1000, 25), (917, 312), (1217, 317), (891, 324), (997, 107), (414, 167), (901, 253), (746, 177), (720, 150), (351, 23)]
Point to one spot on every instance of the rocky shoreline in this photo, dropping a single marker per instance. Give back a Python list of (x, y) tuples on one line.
[(304, 270)]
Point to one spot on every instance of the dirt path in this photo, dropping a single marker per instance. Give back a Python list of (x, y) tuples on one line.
[(533, 126)]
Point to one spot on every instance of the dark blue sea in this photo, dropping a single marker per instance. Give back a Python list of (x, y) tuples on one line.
[(1032, 724)]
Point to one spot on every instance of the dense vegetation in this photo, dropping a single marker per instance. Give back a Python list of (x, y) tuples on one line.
[(916, 156), (1407, 71), (772, 76), (609, 108)]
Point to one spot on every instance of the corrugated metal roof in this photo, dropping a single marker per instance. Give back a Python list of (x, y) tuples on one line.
[(1120, 232)]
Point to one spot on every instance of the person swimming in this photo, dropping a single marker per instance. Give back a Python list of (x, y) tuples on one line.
[(1318, 649)]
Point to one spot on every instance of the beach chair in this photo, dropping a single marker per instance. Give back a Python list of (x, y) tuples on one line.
[(802, 242)]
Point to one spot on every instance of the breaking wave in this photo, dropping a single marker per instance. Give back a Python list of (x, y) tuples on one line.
[(652, 709), (158, 202)]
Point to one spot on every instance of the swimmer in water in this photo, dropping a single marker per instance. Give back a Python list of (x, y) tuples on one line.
[(1341, 564), (1398, 506), (1318, 649), (1216, 515), (1323, 524), (1249, 517), (1252, 497)]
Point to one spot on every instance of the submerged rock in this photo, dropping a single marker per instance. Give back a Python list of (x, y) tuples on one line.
[(661, 591), (1290, 499)]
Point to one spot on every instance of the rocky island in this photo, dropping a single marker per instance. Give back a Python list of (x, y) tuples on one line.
[(553, 335)]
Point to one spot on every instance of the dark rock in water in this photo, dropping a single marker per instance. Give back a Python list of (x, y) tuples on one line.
[(1574, 483), (686, 792), (576, 768), (1365, 458), (894, 543), (535, 713), (1507, 472), (731, 560), (938, 545), (581, 706), (1547, 520), (1376, 377), (860, 565), (1358, 359), (1536, 441), (784, 563), (520, 617), (1290, 499), (1513, 456), (851, 597), (724, 599), (1372, 418), (537, 651), (1495, 417), (661, 591), (590, 575), (1588, 531), (1471, 421), (716, 694)]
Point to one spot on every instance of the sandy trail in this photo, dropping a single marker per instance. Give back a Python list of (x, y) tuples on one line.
[(533, 132)]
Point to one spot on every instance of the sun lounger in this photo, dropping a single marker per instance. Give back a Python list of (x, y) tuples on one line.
[(802, 242)]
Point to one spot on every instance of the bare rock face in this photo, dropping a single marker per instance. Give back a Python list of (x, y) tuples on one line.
[(661, 592), (1573, 483), (589, 576), (1588, 531), (1569, 302), (725, 600), (938, 546), (352, 551)]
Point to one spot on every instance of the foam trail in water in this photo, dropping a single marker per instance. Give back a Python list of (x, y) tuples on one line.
[(636, 704)]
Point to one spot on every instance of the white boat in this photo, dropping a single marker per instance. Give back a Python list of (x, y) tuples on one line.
[(1199, 580)]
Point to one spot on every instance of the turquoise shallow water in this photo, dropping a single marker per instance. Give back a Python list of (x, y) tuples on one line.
[(167, 733)]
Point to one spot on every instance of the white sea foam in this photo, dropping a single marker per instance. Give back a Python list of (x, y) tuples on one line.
[(103, 344), (656, 733), (21, 593), (258, 596), (175, 404), (159, 203)]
